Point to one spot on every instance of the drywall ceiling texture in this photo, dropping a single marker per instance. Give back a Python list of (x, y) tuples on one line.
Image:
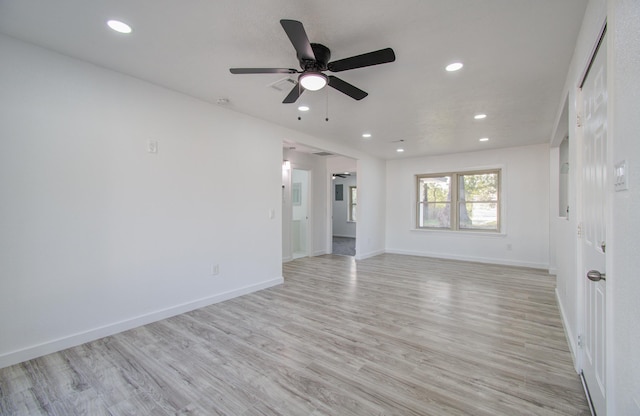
[(516, 55)]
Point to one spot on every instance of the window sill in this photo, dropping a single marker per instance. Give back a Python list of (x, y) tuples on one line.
[(458, 233)]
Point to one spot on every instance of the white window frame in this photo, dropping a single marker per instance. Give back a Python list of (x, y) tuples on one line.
[(455, 203)]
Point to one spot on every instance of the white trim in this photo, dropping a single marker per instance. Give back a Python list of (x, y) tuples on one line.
[(368, 255), (18, 356), (567, 333), (475, 233), (486, 260)]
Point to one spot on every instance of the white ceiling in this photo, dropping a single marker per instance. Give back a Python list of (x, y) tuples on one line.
[(516, 55)]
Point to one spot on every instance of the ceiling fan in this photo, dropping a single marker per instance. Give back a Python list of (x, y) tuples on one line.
[(340, 175), (314, 59)]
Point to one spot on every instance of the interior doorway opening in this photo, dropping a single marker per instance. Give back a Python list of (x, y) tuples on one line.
[(344, 212)]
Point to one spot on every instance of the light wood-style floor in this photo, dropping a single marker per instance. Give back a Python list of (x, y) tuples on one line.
[(390, 335)]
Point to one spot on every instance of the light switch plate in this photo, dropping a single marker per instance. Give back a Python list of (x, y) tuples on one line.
[(620, 176), (152, 146)]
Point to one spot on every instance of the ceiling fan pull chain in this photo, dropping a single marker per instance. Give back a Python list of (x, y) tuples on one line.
[(327, 108)]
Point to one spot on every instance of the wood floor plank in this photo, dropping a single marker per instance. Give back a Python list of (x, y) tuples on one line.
[(389, 335)]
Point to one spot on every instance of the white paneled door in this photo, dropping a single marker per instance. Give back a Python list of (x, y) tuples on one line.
[(300, 213), (594, 195)]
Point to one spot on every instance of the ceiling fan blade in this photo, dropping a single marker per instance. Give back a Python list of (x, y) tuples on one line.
[(346, 88), (293, 94), (263, 71), (298, 38), (366, 59)]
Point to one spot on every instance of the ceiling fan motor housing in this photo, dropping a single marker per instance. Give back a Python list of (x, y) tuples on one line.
[(322, 54)]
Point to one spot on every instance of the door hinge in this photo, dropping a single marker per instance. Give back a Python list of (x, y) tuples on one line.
[(580, 230), (580, 343), (579, 120)]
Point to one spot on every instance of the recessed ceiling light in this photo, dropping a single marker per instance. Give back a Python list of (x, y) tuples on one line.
[(400, 150), (484, 139), (366, 135), (454, 66), (480, 116), (119, 26), (303, 108)]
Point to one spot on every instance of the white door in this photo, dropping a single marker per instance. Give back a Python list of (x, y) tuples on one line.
[(300, 213), (594, 188)]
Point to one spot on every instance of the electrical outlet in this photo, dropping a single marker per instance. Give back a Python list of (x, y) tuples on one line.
[(215, 269)]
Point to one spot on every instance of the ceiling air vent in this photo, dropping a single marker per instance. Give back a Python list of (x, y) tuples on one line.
[(283, 84), (323, 154)]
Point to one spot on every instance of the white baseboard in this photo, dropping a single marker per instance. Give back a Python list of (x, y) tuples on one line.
[(568, 333), (504, 262), (553, 271), (319, 253), (24, 354), (369, 254), (287, 259)]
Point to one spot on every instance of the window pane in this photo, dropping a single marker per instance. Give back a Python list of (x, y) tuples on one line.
[(435, 215), (353, 198), (435, 189), (479, 216), (478, 187)]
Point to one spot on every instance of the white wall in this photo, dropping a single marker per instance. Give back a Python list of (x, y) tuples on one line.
[(342, 227), (96, 234), (371, 209), (568, 281), (624, 264), (525, 199)]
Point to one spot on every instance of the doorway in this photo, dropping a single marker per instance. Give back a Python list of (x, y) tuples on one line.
[(344, 212), (300, 213)]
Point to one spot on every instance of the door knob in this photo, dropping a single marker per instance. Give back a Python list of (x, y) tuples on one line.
[(595, 276)]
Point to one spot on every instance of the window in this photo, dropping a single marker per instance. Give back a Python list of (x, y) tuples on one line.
[(353, 201), (461, 201)]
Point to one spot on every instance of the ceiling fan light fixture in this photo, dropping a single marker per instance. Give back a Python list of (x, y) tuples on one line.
[(313, 81)]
